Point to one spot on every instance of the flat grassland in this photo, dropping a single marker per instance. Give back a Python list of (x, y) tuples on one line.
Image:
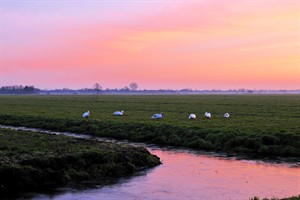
[(260, 125), (30, 161)]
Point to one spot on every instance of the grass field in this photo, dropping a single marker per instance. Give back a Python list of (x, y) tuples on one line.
[(30, 161), (266, 125)]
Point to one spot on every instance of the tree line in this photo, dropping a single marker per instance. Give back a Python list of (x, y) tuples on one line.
[(133, 88), (19, 89)]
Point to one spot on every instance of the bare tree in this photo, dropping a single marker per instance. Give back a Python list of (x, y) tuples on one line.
[(98, 87), (133, 86)]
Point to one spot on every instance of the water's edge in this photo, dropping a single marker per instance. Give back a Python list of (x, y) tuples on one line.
[(186, 174), (292, 161)]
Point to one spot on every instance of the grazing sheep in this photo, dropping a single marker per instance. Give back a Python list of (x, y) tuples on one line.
[(207, 115), (118, 113), (86, 114), (226, 115), (157, 116), (192, 116)]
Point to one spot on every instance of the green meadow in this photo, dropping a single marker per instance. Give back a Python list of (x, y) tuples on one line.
[(31, 161), (259, 125)]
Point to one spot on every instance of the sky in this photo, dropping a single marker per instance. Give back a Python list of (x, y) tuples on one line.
[(159, 44)]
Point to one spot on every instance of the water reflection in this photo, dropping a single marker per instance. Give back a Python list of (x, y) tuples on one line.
[(185, 175)]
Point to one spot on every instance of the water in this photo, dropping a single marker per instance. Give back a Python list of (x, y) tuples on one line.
[(187, 174)]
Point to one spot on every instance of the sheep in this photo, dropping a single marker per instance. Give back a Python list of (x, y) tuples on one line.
[(86, 114), (207, 115), (226, 115), (192, 116), (157, 116), (118, 113)]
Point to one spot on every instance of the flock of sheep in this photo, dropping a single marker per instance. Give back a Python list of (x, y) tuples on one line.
[(157, 115)]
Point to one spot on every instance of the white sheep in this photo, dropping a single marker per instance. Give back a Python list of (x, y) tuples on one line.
[(207, 115), (192, 116), (226, 115), (157, 116), (86, 114), (118, 113)]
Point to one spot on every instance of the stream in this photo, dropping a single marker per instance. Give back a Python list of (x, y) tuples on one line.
[(189, 174)]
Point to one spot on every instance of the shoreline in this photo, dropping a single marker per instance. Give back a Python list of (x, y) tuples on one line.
[(89, 185), (33, 161), (277, 160), (265, 145)]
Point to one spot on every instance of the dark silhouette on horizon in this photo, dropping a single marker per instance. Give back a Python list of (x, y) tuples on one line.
[(132, 89)]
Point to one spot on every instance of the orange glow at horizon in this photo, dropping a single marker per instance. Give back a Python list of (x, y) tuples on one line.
[(198, 45)]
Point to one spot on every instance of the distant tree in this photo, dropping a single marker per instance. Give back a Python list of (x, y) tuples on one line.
[(133, 86), (28, 89), (98, 87), (18, 89), (124, 89)]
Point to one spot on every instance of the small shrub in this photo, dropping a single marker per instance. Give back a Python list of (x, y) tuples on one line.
[(269, 140)]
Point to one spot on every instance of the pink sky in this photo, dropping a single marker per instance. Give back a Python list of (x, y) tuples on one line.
[(213, 44)]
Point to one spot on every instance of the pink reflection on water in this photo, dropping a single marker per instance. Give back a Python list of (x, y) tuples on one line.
[(188, 175), (192, 175)]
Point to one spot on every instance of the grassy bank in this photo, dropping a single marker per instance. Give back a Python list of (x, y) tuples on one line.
[(262, 125), (31, 161)]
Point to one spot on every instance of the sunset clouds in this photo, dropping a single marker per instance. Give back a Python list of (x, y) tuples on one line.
[(158, 44)]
